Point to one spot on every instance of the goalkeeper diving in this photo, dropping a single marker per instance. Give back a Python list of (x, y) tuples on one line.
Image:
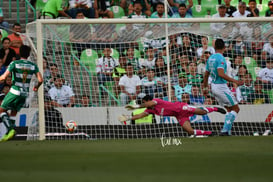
[(182, 111)]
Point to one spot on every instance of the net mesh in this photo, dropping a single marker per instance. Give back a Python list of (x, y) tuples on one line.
[(91, 60)]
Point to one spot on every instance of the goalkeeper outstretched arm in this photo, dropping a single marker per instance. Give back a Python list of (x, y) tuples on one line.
[(147, 104), (123, 117)]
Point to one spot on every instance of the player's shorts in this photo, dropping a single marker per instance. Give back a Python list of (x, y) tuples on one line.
[(223, 95), (185, 114), (13, 102)]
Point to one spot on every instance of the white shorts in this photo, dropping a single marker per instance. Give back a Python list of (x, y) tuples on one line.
[(223, 95)]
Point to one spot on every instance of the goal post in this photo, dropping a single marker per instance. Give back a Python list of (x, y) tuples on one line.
[(77, 64)]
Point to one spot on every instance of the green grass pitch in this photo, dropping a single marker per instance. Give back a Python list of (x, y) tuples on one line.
[(212, 159)]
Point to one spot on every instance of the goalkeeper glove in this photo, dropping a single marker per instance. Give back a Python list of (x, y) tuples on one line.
[(123, 118), (131, 107)]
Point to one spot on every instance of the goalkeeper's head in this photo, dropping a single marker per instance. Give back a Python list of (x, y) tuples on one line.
[(147, 98)]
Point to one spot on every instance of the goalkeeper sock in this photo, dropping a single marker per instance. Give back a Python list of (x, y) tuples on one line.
[(211, 109), (201, 132)]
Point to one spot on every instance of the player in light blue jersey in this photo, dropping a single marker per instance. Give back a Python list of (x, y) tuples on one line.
[(216, 68)]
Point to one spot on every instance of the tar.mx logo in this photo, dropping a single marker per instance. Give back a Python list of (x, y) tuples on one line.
[(167, 141)]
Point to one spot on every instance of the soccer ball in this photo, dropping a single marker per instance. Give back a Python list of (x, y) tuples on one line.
[(71, 126)]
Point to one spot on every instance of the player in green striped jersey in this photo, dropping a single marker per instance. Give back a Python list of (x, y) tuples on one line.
[(22, 71)]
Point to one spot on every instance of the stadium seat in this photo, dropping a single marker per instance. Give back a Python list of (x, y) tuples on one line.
[(115, 53), (235, 3), (251, 66), (199, 11), (40, 4), (118, 11), (270, 94), (211, 5), (262, 7), (4, 33), (89, 58)]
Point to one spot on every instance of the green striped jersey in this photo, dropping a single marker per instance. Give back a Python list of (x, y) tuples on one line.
[(22, 71)]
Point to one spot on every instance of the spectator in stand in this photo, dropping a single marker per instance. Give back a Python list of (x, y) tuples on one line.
[(149, 61), (137, 13), (196, 97), (160, 67), (145, 7), (79, 34), (239, 46), (84, 101), (130, 86), (187, 48), (151, 85), (160, 11), (205, 48), (240, 28), (54, 9), (49, 81), (266, 75), (7, 54), (3, 24), (246, 89), (183, 63), (267, 51), (61, 95), (238, 61), (193, 77), (201, 63), (84, 6), (102, 8), (258, 97), (105, 66), (46, 70), (175, 5), (132, 59), (15, 39), (53, 117), (182, 87), (230, 9), (119, 71), (269, 12), (252, 8), (256, 43), (182, 13), (158, 44), (218, 28), (5, 89)]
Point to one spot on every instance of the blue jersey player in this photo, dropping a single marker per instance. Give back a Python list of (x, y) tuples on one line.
[(216, 68)]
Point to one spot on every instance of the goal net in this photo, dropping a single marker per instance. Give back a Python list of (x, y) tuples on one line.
[(91, 59)]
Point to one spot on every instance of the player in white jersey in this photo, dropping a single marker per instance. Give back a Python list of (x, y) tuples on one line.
[(216, 68)]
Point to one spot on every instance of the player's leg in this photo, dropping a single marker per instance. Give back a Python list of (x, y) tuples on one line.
[(229, 119), (224, 97), (187, 127), (206, 110)]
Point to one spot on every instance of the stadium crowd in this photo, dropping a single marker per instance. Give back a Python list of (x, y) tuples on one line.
[(248, 46)]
